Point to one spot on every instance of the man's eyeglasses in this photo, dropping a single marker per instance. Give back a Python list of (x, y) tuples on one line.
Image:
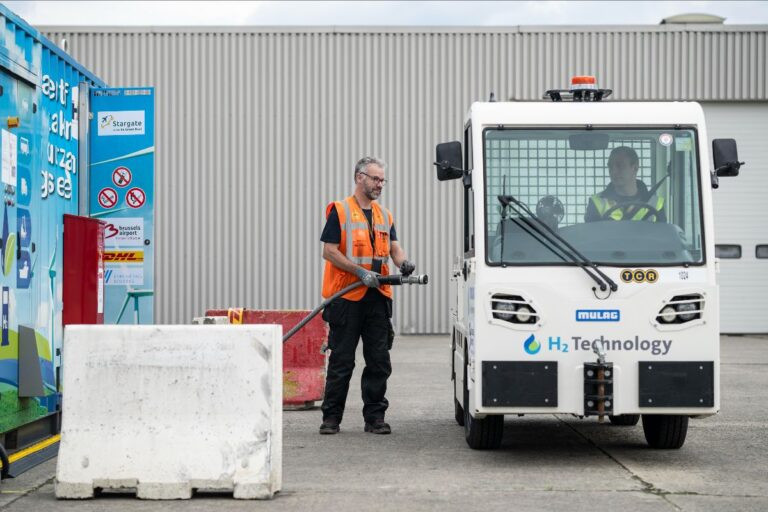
[(377, 181)]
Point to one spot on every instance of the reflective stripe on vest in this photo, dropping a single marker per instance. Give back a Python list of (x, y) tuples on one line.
[(603, 204), (367, 260), (355, 244)]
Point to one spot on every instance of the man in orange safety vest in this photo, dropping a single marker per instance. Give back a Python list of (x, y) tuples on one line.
[(359, 239)]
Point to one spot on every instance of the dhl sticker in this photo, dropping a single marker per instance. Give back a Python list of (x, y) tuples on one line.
[(123, 256)]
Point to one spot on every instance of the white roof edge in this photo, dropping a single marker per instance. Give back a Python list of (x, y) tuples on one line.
[(599, 113), (521, 29)]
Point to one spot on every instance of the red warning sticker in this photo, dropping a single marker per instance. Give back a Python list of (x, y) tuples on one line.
[(122, 176), (135, 198), (107, 197)]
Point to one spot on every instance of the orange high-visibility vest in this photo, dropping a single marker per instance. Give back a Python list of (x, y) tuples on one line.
[(355, 244)]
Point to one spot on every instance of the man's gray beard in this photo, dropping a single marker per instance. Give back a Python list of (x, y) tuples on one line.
[(372, 194)]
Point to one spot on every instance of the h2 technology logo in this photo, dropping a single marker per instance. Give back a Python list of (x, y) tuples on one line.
[(655, 347), (531, 345)]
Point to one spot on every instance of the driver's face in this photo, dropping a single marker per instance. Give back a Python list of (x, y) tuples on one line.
[(622, 171)]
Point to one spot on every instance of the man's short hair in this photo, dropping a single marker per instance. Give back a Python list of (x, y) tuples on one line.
[(363, 163), (625, 152)]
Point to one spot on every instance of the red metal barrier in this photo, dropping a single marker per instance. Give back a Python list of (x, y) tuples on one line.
[(303, 363)]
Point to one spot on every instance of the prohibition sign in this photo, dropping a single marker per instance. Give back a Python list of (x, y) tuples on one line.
[(135, 197), (121, 176), (107, 198)]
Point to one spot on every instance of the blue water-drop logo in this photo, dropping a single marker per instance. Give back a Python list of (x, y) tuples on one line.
[(531, 345)]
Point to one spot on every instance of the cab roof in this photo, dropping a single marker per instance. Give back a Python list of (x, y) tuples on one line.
[(604, 113)]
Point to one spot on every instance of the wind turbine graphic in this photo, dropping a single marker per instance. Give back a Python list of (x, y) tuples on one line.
[(52, 276)]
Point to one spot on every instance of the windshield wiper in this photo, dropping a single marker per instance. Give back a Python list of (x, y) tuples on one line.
[(552, 245), (558, 242), (539, 238)]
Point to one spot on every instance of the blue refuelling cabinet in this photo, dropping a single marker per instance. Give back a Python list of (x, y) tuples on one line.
[(41, 127)]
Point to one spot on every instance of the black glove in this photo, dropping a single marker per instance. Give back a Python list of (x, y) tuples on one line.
[(407, 268), (368, 278)]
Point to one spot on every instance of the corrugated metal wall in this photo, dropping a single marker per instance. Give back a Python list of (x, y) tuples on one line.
[(259, 128)]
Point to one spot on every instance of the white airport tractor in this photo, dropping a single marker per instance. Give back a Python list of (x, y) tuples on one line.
[(587, 283)]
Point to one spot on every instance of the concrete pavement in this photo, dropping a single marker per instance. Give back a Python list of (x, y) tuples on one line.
[(545, 462)]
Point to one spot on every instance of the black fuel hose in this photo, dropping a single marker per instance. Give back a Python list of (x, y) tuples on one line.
[(395, 280)]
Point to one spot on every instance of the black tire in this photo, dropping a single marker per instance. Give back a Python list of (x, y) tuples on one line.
[(665, 431), (481, 434), (458, 412), (5, 472), (625, 420)]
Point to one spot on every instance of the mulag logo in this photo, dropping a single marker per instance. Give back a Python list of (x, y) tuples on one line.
[(122, 122), (598, 315)]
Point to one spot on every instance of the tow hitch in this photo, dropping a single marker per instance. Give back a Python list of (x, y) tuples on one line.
[(598, 387)]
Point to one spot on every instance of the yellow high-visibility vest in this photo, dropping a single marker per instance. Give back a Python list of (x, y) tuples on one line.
[(603, 204)]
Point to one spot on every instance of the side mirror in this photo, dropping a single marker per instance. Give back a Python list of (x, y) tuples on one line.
[(448, 161), (725, 157)]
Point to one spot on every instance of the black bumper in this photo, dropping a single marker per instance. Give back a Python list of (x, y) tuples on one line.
[(519, 383), (676, 384)]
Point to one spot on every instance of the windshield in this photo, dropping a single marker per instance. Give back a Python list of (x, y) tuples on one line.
[(620, 196)]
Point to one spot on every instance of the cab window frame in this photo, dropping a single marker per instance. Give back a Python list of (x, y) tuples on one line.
[(699, 182), (469, 199)]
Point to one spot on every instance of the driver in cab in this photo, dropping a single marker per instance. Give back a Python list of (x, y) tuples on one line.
[(625, 197)]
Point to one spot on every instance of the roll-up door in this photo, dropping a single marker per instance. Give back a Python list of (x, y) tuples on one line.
[(741, 217)]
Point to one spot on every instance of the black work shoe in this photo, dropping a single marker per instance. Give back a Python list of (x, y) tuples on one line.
[(330, 426), (378, 427)]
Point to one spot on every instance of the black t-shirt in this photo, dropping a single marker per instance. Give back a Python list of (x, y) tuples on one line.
[(641, 196), (332, 235)]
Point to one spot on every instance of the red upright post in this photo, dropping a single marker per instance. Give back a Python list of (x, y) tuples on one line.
[(83, 294)]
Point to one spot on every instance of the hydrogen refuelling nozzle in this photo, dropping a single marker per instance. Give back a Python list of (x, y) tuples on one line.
[(395, 280)]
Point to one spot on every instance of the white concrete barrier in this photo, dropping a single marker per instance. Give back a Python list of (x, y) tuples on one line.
[(166, 409), (205, 320)]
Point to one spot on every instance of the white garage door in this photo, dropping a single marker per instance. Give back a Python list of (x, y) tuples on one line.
[(741, 217)]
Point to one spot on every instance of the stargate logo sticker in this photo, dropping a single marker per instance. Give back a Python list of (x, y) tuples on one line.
[(639, 275)]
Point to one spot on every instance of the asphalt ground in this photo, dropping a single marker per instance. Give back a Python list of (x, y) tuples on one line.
[(545, 462)]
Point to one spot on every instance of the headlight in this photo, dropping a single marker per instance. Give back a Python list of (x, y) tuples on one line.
[(524, 314), (504, 306), (668, 315), (682, 308), (513, 309)]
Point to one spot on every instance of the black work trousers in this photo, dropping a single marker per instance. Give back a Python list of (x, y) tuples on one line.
[(368, 318)]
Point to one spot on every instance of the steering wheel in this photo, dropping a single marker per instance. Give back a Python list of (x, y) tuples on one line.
[(624, 207), (550, 210)]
